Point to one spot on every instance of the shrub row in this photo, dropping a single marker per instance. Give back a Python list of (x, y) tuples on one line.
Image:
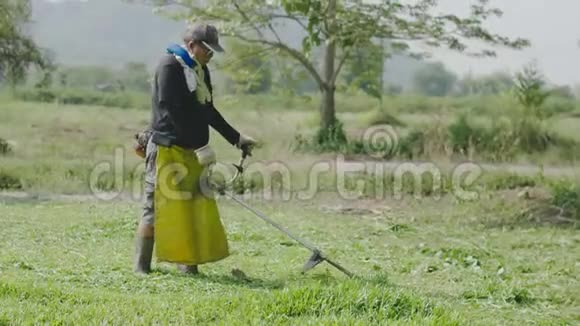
[(84, 97)]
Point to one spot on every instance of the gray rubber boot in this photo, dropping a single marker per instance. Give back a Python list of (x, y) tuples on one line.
[(143, 255)]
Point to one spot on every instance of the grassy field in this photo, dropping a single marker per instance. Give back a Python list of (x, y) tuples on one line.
[(67, 259), (421, 263)]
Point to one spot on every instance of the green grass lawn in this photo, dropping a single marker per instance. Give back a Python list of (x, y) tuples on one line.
[(429, 262)]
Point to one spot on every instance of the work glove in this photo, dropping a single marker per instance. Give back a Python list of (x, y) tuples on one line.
[(246, 144), (205, 155)]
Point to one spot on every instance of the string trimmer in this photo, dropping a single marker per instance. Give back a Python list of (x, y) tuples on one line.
[(317, 256)]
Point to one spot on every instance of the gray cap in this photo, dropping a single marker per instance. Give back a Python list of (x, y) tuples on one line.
[(205, 33)]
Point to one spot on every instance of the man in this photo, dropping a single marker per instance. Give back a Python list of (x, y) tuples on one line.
[(183, 222)]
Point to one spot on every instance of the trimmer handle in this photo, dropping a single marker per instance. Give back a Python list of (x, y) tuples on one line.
[(245, 151), (239, 169)]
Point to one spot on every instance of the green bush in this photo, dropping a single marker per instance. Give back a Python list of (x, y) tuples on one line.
[(559, 105), (331, 139), (84, 97), (8, 181), (506, 138), (35, 95), (561, 208), (334, 139), (566, 196), (463, 135), (508, 181), (428, 140), (412, 145), (532, 136), (433, 79), (382, 117), (501, 141), (5, 148)]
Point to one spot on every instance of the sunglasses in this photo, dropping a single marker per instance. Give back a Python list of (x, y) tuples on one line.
[(208, 48)]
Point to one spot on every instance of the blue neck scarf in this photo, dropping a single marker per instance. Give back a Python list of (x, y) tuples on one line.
[(182, 53)]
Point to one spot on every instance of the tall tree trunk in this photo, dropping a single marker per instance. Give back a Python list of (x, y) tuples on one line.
[(382, 80), (327, 109), (327, 112)]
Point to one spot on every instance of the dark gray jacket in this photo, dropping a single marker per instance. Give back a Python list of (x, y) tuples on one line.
[(178, 118)]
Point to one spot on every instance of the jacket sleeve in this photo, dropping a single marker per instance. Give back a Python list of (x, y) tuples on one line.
[(217, 122)]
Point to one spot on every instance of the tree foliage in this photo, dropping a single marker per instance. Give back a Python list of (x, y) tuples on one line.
[(248, 70), (530, 89), (490, 84), (434, 79), (17, 50), (260, 21), (342, 26), (364, 70)]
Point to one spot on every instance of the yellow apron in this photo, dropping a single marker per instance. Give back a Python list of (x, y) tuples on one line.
[(188, 229)]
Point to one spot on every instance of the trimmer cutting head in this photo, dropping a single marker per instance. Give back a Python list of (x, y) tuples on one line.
[(314, 260), (317, 258)]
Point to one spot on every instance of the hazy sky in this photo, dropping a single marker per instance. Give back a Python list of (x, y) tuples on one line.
[(552, 26)]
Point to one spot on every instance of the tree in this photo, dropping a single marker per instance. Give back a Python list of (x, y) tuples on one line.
[(248, 70), (530, 90), (17, 50), (291, 79), (434, 79), (339, 27), (364, 70), (490, 84)]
